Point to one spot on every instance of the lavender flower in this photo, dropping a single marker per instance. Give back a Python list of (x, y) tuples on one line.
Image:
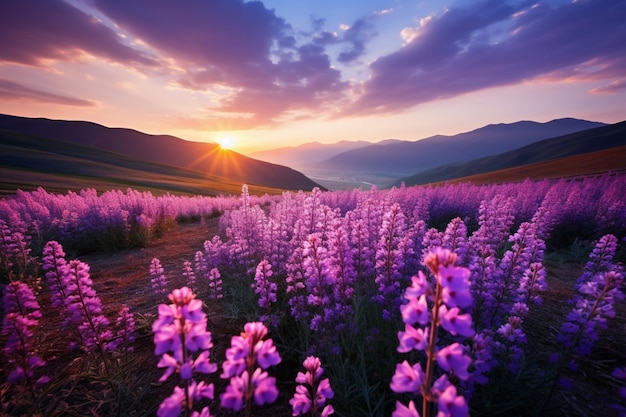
[(266, 289), (22, 315), (452, 293), (389, 261), (179, 333), (215, 284), (55, 267), (312, 392), (125, 324), (85, 309), (157, 275), (247, 381), (190, 275)]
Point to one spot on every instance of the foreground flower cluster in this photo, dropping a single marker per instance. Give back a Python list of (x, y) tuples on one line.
[(180, 334), (331, 277)]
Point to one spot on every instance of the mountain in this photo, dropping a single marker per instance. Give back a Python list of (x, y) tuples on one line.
[(28, 162), (206, 158), (406, 158), (307, 154), (559, 148)]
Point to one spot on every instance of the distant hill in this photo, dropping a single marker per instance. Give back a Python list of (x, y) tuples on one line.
[(205, 158), (586, 164), (307, 154), (553, 149), (406, 158), (28, 162)]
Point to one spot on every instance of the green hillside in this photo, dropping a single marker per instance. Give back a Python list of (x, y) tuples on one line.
[(28, 162)]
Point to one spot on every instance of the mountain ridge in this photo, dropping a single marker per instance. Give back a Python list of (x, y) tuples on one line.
[(163, 149), (408, 158), (577, 143)]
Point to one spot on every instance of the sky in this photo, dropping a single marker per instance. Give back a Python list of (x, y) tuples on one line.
[(273, 73)]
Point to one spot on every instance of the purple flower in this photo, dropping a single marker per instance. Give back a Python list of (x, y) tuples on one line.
[(452, 291), (55, 266), (415, 311), (21, 317), (453, 358), (456, 286), (455, 323), (181, 330), (157, 277), (451, 404), (413, 338), (247, 382), (85, 308), (403, 411), (407, 378), (312, 391)]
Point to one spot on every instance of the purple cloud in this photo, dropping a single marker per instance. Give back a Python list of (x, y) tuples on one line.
[(240, 46), (495, 44), (10, 90), (33, 32), (357, 36)]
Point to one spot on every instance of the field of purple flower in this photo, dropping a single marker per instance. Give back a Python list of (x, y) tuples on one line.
[(404, 302)]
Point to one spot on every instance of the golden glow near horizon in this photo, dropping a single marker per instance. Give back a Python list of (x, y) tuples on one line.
[(226, 142)]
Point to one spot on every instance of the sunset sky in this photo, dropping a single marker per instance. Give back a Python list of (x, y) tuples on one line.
[(283, 72)]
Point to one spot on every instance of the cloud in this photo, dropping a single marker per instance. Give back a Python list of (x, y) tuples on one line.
[(10, 90), (357, 36), (236, 46), (614, 87), (493, 43), (34, 32)]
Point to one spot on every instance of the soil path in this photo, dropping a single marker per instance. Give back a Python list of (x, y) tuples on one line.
[(124, 276)]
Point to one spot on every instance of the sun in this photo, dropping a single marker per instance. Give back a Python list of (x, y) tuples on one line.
[(227, 142)]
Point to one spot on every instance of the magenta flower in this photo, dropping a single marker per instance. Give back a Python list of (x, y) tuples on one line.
[(55, 267), (179, 333), (455, 323), (312, 391), (407, 378), (413, 338), (433, 310), (21, 318), (453, 358), (403, 411), (157, 277), (415, 311), (85, 309), (247, 381)]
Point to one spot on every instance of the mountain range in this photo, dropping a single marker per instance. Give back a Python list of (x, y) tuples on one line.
[(401, 158), (53, 153), (589, 142), (204, 158)]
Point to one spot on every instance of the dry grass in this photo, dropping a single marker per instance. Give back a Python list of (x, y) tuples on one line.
[(592, 163)]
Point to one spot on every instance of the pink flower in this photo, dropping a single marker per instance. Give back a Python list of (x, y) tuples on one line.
[(181, 330), (456, 323), (266, 354), (407, 378), (451, 404), (415, 311), (412, 338), (402, 411), (453, 358), (232, 398), (456, 286), (246, 381), (265, 391), (312, 392)]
